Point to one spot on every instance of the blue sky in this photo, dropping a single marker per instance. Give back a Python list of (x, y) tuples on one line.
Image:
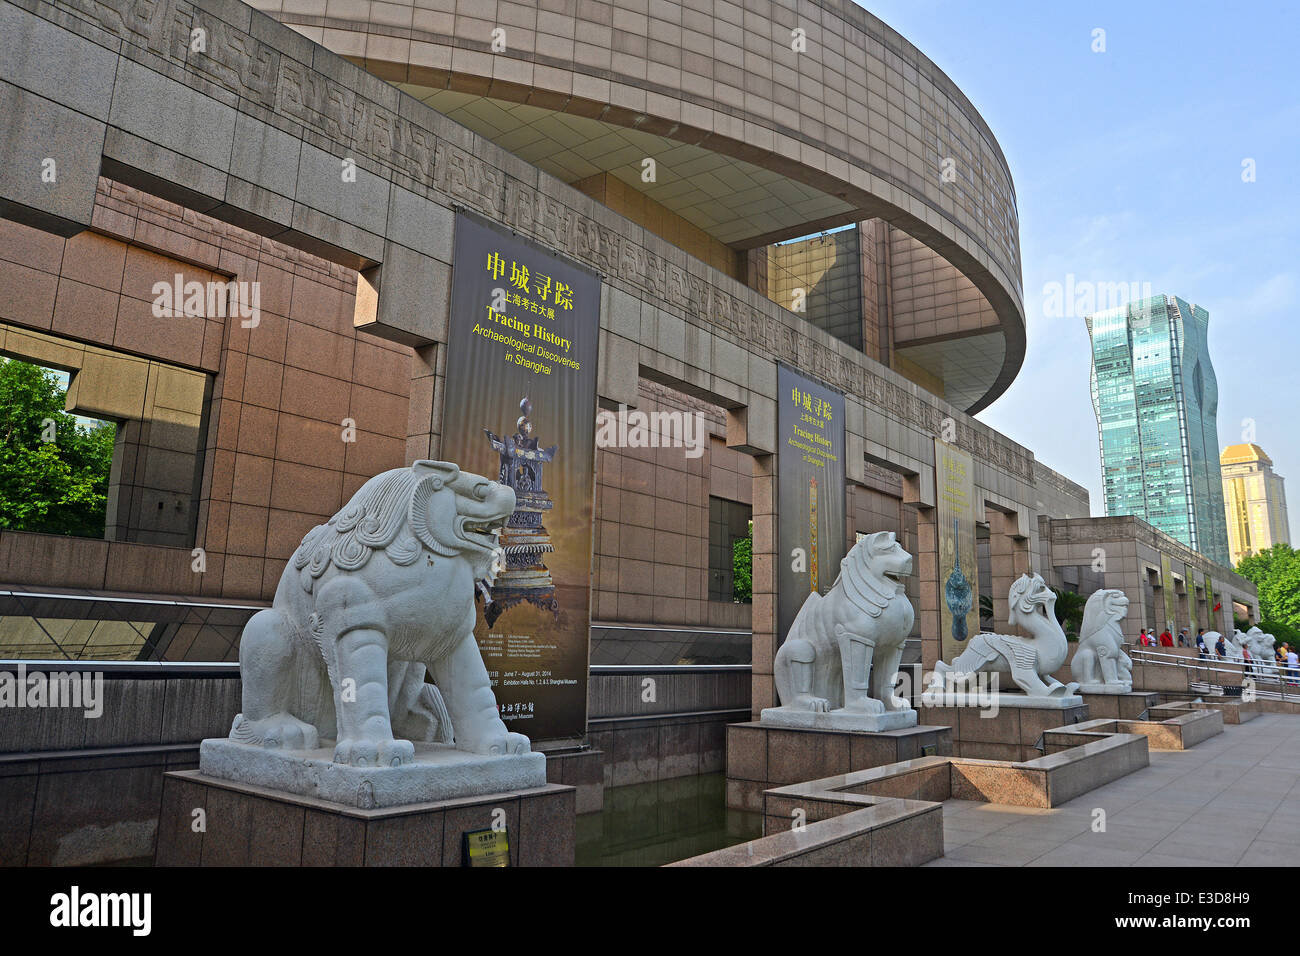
[(1128, 168)]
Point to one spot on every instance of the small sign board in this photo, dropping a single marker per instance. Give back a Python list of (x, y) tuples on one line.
[(486, 848)]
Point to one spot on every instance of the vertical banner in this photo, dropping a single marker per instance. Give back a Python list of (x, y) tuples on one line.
[(954, 485), (520, 407), (1210, 623), (810, 491), (1171, 599)]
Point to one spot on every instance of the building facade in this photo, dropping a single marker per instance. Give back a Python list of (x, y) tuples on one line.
[(1156, 399), (821, 196), (1255, 501), (1169, 586)]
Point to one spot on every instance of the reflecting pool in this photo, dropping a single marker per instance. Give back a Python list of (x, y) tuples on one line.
[(650, 824)]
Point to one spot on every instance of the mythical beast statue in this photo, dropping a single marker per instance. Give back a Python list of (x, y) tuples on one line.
[(838, 664), (1261, 648), (1100, 664), (1027, 659), (368, 601)]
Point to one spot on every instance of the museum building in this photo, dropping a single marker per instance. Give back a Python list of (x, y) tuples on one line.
[(759, 186)]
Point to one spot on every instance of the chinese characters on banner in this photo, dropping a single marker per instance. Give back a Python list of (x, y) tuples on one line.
[(810, 491), (520, 407), (954, 486)]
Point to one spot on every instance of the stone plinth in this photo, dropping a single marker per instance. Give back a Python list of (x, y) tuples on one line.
[(838, 720), (997, 701), (1129, 706), (1010, 733), (1234, 710), (1179, 732), (760, 756), (439, 772), (583, 769), (247, 825)]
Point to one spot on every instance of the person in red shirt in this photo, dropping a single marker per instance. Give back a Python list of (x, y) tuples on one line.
[(1166, 639)]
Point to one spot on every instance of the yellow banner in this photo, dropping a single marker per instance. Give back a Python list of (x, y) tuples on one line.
[(954, 486)]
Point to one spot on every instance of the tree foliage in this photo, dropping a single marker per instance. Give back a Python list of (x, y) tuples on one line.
[(54, 487), (1069, 611), (742, 567), (1275, 573)]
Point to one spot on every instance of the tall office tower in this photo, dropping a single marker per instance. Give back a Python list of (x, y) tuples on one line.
[(1156, 400), (1255, 500)]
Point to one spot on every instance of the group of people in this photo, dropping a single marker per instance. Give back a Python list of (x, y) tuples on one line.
[(1288, 661), (1166, 639)]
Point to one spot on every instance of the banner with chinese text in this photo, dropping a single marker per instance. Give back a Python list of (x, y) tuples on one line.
[(520, 407), (810, 491)]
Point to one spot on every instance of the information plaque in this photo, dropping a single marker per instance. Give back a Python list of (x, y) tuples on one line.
[(486, 848)]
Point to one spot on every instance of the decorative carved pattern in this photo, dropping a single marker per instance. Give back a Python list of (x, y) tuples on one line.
[(358, 126)]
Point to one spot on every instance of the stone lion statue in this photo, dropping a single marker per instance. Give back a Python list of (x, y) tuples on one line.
[(1100, 664), (842, 653), (1231, 644), (382, 591), (1261, 648)]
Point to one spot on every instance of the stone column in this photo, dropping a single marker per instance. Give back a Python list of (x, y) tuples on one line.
[(763, 685), (1008, 560), (428, 390), (926, 568)]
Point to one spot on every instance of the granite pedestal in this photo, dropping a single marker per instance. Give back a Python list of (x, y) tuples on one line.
[(1009, 734), (760, 756), (247, 825), (1130, 706), (438, 772), (838, 719)]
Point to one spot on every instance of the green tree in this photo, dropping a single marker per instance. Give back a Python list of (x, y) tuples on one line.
[(1275, 573), (1069, 612), (742, 567), (55, 487)]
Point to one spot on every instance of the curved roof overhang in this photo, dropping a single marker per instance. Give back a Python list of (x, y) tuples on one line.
[(860, 121)]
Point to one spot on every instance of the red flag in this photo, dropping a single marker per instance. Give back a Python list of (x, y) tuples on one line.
[(1219, 605)]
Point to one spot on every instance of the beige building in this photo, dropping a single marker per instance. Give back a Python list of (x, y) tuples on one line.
[(1255, 500), (798, 210)]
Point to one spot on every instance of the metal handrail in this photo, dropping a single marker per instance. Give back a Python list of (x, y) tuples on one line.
[(1256, 671)]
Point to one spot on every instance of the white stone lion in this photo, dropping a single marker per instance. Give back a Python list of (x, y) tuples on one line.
[(842, 653), (369, 600), (1100, 664), (1261, 648), (1231, 645)]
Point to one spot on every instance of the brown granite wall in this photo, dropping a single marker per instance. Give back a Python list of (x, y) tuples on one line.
[(651, 558), (275, 461)]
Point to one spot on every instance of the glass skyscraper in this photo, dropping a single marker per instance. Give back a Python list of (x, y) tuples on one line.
[(1156, 400)]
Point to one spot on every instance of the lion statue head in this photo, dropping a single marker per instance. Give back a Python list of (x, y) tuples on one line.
[(875, 568), (1259, 644), (1102, 613), (430, 506)]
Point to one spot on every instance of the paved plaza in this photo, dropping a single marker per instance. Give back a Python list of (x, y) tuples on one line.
[(1233, 800)]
